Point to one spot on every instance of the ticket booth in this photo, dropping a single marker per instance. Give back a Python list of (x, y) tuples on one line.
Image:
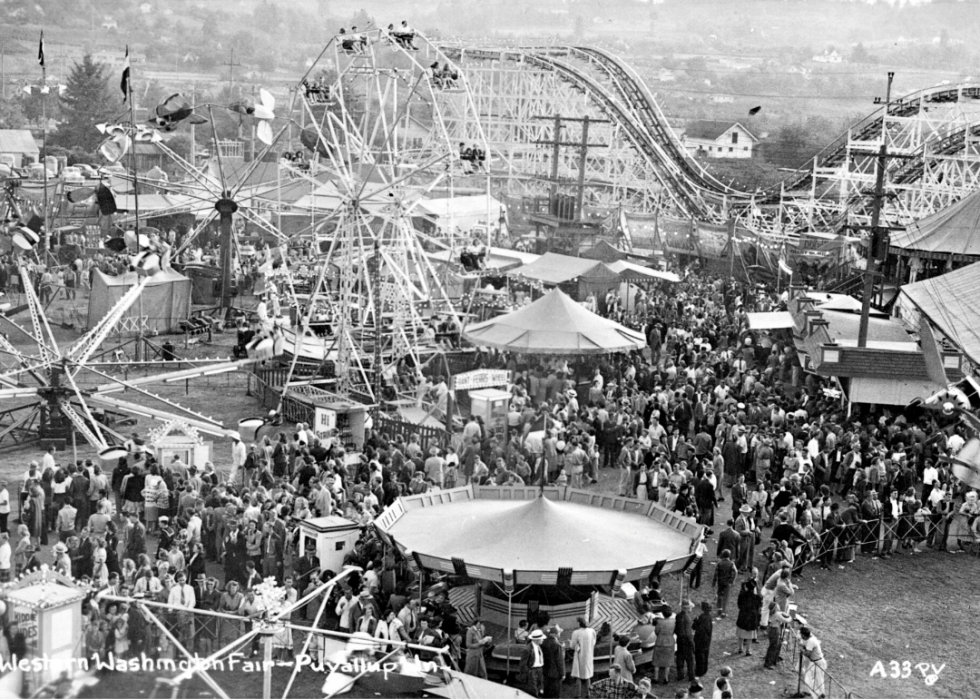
[(44, 616), (491, 404), (334, 536)]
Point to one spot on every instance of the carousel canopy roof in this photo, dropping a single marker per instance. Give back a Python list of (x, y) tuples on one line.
[(555, 324), (955, 229), (493, 529)]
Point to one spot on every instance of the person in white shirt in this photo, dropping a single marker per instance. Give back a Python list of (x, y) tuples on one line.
[(182, 598), (930, 474), (238, 455), (47, 461), (4, 506), (343, 611), (5, 556)]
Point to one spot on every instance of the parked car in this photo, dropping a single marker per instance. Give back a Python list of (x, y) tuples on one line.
[(88, 172), (72, 175)]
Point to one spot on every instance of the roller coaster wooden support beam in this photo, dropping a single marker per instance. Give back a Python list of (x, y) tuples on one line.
[(583, 145)]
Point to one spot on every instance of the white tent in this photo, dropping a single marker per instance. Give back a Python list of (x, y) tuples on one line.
[(460, 212), (164, 303)]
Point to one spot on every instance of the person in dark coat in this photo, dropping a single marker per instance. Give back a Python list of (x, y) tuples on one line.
[(684, 631), (554, 664), (704, 496), (703, 627), (749, 615), (234, 554), (729, 539)]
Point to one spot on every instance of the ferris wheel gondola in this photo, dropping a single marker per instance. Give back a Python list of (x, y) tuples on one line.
[(390, 133)]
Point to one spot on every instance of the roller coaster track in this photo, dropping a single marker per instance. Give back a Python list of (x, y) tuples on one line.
[(634, 92), (692, 199), (869, 129), (620, 93)]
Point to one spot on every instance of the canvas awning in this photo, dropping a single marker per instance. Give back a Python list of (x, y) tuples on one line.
[(954, 230), (554, 324), (886, 391), (775, 320), (950, 303), (633, 272), (552, 268)]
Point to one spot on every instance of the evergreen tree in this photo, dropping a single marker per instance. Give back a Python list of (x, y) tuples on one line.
[(88, 100)]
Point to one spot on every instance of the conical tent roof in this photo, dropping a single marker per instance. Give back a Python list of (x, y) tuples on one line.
[(537, 535), (955, 229), (555, 324)]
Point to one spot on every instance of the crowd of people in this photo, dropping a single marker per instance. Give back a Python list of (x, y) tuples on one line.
[(709, 412)]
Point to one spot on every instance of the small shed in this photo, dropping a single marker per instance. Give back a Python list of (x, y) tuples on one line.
[(334, 537)]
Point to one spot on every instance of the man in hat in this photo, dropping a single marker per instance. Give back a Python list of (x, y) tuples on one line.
[(725, 574), (554, 663), (475, 644), (531, 667), (136, 539), (728, 539), (234, 553), (684, 632), (703, 626), (62, 563)]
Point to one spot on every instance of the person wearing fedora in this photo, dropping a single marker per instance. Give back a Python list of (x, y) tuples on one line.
[(531, 668), (554, 663), (747, 532)]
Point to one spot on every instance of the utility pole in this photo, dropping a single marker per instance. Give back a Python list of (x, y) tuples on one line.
[(583, 146), (875, 239), (231, 68)]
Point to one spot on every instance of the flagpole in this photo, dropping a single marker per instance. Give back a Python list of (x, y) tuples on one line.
[(136, 192), (132, 120), (44, 140)]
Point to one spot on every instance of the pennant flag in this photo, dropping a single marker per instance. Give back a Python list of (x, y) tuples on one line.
[(40, 50), (124, 83), (755, 110), (785, 267)]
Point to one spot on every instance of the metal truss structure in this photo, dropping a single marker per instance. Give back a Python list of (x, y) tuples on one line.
[(391, 128), (42, 396)]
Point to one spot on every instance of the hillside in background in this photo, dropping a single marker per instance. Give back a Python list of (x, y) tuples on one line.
[(813, 67)]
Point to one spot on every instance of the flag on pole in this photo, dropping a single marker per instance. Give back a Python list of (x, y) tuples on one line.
[(124, 83), (40, 50)]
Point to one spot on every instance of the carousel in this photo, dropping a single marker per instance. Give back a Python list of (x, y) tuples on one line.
[(549, 555)]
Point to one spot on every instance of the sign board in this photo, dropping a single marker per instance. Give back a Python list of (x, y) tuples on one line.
[(325, 422), (712, 239), (481, 378)]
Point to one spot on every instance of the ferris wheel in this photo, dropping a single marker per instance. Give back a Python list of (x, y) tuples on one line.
[(392, 120)]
